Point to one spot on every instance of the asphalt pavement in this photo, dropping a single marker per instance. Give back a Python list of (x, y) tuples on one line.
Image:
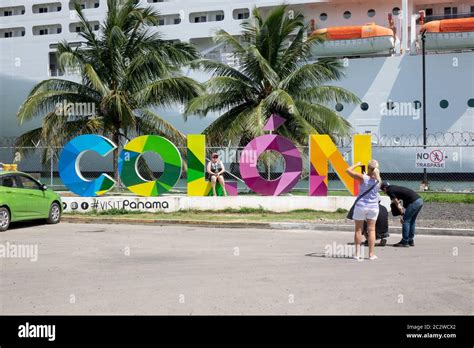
[(137, 269)]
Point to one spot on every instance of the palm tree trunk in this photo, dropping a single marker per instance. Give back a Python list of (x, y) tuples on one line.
[(116, 139)]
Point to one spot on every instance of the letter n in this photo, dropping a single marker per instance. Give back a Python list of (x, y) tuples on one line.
[(323, 151)]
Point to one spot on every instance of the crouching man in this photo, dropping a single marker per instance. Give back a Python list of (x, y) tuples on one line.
[(412, 204)]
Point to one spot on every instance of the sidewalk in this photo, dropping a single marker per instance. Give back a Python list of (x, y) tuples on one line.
[(328, 226)]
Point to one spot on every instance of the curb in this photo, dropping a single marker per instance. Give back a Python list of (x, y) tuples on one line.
[(433, 231)]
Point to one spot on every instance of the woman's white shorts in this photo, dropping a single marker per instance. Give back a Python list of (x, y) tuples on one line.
[(363, 213)]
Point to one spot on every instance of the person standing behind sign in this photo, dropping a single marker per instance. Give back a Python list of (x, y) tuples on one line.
[(412, 204), (216, 170), (367, 206)]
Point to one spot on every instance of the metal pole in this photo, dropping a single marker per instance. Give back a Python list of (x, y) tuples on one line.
[(423, 54), (52, 168)]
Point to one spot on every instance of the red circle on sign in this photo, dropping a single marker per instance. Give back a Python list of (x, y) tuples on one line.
[(436, 156)]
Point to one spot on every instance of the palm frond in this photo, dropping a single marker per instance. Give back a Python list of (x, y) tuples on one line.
[(169, 91), (327, 94)]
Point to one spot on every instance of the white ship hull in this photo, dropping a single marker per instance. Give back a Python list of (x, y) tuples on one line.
[(24, 61)]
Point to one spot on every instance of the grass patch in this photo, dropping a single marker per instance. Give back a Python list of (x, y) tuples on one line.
[(117, 212), (442, 197), (230, 215)]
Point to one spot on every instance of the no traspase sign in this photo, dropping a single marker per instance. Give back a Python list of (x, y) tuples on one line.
[(430, 158)]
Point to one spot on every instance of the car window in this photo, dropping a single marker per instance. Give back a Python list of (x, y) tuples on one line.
[(8, 181), (28, 183)]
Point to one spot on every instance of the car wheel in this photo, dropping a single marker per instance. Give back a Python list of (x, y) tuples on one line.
[(4, 219), (54, 214)]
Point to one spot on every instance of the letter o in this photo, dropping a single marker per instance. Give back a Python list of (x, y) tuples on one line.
[(128, 161), (293, 165)]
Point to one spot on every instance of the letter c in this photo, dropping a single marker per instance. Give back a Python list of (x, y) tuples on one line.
[(69, 170)]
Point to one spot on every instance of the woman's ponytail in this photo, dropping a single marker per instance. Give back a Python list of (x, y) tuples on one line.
[(377, 175), (374, 169)]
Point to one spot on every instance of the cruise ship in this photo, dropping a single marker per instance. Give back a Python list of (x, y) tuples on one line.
[(379, 42)]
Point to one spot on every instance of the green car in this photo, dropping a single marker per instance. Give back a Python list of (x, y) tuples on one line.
[(24, 198)]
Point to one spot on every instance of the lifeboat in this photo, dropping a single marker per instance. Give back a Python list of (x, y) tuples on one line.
[(355, 40), (449, 34)]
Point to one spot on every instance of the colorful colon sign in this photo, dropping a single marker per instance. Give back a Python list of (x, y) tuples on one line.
[(322, 152), (197, 184), (70, 173), (291, 155), (132, 152)]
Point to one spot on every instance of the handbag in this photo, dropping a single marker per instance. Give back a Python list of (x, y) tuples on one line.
[(394, 209), (350, 214)]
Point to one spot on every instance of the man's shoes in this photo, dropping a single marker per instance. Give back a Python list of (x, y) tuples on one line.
[(401, 244), (411, 243), (383, 242)]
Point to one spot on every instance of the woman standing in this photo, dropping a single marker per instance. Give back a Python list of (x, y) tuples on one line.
[(367, 206)]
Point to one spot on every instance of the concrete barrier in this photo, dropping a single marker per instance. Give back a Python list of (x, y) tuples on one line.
[(170, 203)]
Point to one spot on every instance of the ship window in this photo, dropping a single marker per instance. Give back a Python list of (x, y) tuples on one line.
[(396, 11), (347, 14), (43, 10), (364, 106), (323, 16), (59, 8), (58, 30), (470, 103), (78, 29), (169, 19), (428, 12), (444, 104), (200, 19), (8, 34), (8, 13), (371, 12), (43, 32), (417, 104), (96, 27), (450, 10), (241, 13), (339, 107), (472, 9)]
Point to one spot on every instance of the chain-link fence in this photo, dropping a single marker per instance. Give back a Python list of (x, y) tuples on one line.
[(400, 158)]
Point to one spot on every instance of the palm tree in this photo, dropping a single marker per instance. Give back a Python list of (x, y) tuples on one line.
[(274, 76), (126, 69)]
